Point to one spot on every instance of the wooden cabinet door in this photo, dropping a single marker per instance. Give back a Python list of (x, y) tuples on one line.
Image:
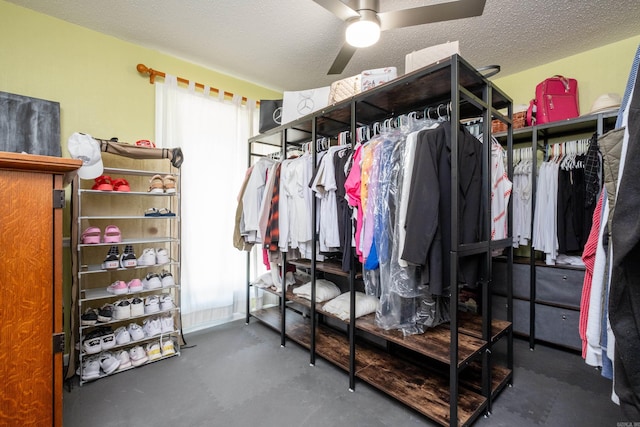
[(28, 300)]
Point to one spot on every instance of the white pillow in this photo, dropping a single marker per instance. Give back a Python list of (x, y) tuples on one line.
[(365, 304), (325, 290)]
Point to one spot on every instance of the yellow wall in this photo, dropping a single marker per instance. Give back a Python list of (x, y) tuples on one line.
[(92, 75), (598, 71)]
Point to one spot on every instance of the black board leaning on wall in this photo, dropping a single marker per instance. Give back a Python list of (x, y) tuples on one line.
[(29, 125)]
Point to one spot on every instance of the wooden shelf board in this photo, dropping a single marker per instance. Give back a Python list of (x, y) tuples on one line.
[(472, 377), (424, 391), (470, 324), (332, 267), (433, 343)]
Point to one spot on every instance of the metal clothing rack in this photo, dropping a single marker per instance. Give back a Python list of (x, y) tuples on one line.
[(473, 379)]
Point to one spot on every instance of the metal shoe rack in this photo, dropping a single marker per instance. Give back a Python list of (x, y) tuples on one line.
[(450, 375), (127, 211)]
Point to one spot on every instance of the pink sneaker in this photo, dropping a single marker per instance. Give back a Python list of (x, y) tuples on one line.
[(112, 234), (118, 287), (135, 285)]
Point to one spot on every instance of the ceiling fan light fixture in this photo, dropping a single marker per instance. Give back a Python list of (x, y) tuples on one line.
[(365, 30)]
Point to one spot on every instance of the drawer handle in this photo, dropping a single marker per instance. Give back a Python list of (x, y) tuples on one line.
[(564, 277), (564, 317)]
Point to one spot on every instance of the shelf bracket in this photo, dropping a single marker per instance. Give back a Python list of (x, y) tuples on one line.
[(58, 343), (58, 199)]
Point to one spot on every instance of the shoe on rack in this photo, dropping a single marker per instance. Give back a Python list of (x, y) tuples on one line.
[(168, 347), (122, 336), (108, 340), (153, 350), (152, 281), (151, 327), (105, 314), (92, 345), (109, 363), (148, 257), (138, 356), (90, 368), (135, 331), (90, 317), (121, 184), (137, 307), (151, 304), (166, 302), (124, 359), (118, 287), (128, 258), (166, 324), (162, 256), (135, 285), (169, 183), (112, 234), (167, 279), (156, 184), (122, 310), (90, 236), (103, 183), (111, 262)]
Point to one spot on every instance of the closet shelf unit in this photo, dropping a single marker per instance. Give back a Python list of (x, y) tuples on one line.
[(447, 374), (546, 300), (126, 210)]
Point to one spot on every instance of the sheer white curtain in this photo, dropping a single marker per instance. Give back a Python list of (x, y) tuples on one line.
[(213, 136)]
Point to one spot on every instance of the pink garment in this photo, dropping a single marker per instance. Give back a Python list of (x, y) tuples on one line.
[(589, 259), (352, 189)]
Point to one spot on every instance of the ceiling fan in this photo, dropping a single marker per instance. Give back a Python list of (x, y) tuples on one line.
[(365, 22)]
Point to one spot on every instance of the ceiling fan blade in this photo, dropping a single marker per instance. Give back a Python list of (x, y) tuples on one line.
[(338, 8), (343, 58), (432, 13)]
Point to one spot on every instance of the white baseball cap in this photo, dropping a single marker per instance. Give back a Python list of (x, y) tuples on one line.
[(84, 147)]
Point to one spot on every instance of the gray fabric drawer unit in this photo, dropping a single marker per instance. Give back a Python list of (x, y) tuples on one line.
[(521, 279), (520, 313), (558, 326), (559, 286)]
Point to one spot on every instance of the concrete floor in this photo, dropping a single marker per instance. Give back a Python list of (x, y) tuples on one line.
[(237, 375)]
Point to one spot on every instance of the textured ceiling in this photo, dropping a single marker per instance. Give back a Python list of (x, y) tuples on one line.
[(290, 44)]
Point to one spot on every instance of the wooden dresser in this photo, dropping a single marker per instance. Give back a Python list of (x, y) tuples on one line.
[(31, 330)]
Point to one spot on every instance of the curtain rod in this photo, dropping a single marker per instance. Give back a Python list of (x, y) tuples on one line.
[(143, 69)]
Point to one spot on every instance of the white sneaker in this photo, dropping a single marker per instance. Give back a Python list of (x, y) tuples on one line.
[(135, 331), (166, 324), (108, 341), (137, 307), (168, 348), (90, 368), (92, 345), (151, 327), (166, 302), (152, 281), (167, 279), (124, 359), (122, 310), (137, 356), (148, 257), (153, 350), (108, 363), (162, 256), (151, 304), (122, 336)]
